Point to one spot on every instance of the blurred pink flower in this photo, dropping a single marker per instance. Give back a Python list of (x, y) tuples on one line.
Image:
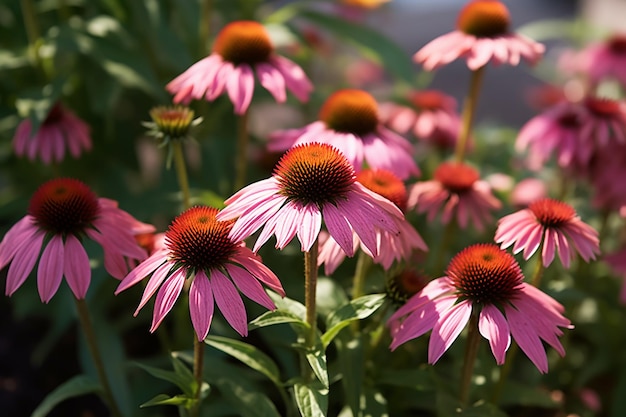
[(431, 116), (617, 262), (608, 165), (197, 247), (391, 246), (311, 183), (60, 129), (486, 281), (527, 191), (605, 60), (553, 225), (455, 191), (241, 48), (349, 121), (482, 35), (61, 213)]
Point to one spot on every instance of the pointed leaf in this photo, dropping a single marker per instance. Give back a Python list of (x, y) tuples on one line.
[(186, 385), (277, 317), (317, 359), (350, 357), (312, 399), (358, 309), (163, 399), (77, 386)]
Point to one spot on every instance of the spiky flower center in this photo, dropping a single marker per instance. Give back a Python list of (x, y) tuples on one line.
[(402, 286), (552, 213), (350, 111), (243, 42), (603, 107), (617, 44), (428, 100), (485, 274), (314, 173), (63, 206), (172, 121), (484, 18), (198, 241), (385, 183), (456, 177)]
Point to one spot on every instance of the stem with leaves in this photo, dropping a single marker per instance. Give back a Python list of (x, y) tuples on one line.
[(469, 110), (92, 344)]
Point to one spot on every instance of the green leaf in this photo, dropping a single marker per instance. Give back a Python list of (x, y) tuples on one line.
[(277, 317), (370, 42), (317, 360), (287, 304), (357, 309), (247, 402), (312, 399), (248, 354), (351, 360), (417, 379), (79, 385), (373, 403), (181, 381), (163, 399)]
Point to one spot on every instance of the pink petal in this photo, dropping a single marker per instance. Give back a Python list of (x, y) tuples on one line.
[(229, 302), (201, 305), (249, 286), (493, 327), (166, 297), (240, 86), (447, 329), (272, 80), (157, 278), (338, 227), (50, 270), (76, 267), (142, 270), (246, 258), (310, 225), (23, 262), (527, 338)]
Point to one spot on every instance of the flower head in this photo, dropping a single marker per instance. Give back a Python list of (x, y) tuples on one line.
[(62, 212), (171, 123), (605, 60), (198, 249), (482, 35), (456, 191), (486, 281), (349, 121), (241, 49), (390, 246), (311, 183), (401, 286), (430, 115), (552, 224), (60, 129)]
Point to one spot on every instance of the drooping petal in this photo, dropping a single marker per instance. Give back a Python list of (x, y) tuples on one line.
[(447, 329), (50, 270), (246, 258), (157, 278), (249, 286), (201, 304), (76, 267), (23, 262), (142, 270), (240, 87), (229, 302), (527, 338), (493, 327), (272, 80), (165, 299)]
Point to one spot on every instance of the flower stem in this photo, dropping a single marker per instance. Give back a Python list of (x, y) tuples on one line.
[(92, 344), (539, 268), (241, 164), (181, 172), (363, 264), (206, 9), (198, 364), (469, 110), (310, 286), (32, 30), (471, 351)]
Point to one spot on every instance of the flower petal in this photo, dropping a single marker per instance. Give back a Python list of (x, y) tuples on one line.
[(493, 326), (447, 329), (76, 267), (201, 304), (166, 297), (50, 270), (229, 302)]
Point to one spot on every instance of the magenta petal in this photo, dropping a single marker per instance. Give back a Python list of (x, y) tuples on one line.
[(229, 302), (272, 80), (240, 86), (249, 286), (165, 299), (76, 267), (339, 228), (493, 327), (527, 338), (246, 258), (50, 270), (201, 305), (310, 225), (447, 329), (23, 262), (155, 282), (142, 270)]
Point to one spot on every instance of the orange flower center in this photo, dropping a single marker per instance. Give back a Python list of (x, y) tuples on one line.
[(385, 183), (456, 177), (402, 286), (602, 107), (617, 44), (484, 18), (172, 121), (63, 206), (198, 241), (485, 274), (552, 213), (314, 173), (243, 42), (350, 111), (428, 100)]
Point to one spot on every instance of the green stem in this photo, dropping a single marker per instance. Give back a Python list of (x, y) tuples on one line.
[(198, 364), (206, 9), (181, 172), (363, 264), (92, 344), (32, 30), (471, 351), (310, 287), (241, 164), (469, 110), (504, 373), (535, 281)]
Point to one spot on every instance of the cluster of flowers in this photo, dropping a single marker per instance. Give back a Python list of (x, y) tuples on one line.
[(347, 171)]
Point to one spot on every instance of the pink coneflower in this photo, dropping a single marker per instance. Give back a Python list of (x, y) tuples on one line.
[(431, 116), (528, 191), (482, 35), (605, 60), (60, 130), (607, 167), (391, 246), (62, 212), (551, 224), (349, 121), (198, 249), (617, 262), (241, 48), (311, 183), (403, 285), (456, 191), (486, 281)]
